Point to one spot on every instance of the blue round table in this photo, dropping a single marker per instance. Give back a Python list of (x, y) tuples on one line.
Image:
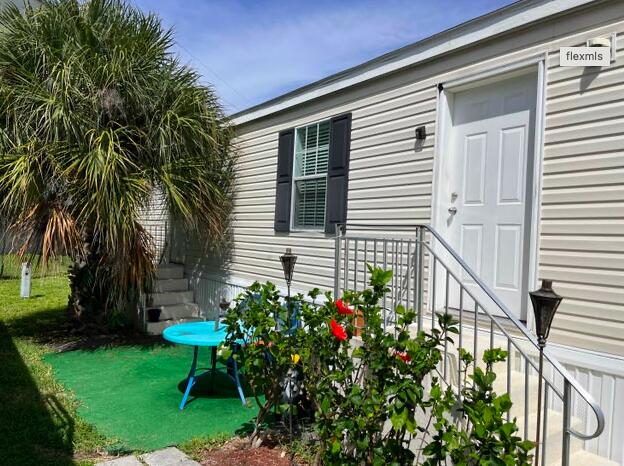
[(198, 334)]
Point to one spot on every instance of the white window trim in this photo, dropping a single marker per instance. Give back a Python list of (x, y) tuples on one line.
[(294, 179)]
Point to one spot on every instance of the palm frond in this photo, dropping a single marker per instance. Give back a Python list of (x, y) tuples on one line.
[(96, 113)]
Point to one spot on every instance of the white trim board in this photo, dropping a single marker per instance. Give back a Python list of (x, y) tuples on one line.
[(536, 194), (610, 364), (504, 20)]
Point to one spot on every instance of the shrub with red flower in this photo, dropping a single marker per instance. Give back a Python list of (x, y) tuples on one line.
[(337, 330), (369, 398), (343, 308)]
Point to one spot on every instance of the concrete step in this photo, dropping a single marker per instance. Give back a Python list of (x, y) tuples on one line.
[(178, 311), (130, 460), (171, 297), (173, 284), (554, 434), (169, 271), (157, 328), (585, 458), (517, 392), (483, 342)]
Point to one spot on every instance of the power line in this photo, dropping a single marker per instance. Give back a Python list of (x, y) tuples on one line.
[(211, 71)]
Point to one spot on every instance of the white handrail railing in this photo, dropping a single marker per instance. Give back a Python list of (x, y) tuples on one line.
[(406, 256)]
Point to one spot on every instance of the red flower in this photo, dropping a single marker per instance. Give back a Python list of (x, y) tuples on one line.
[(403, 356), (343, 308), (337, 330)]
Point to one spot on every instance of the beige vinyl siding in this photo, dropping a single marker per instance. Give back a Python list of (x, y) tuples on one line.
[(390, 180), (582, 240)]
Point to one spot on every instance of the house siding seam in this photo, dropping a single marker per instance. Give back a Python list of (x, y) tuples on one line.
[(581, 243)]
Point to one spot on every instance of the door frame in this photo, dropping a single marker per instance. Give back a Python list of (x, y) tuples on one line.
[(446, 90)]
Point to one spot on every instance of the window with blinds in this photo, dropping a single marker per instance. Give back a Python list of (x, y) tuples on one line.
[(310, 176)]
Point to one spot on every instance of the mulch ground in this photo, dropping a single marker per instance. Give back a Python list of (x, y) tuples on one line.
[(238, 453)]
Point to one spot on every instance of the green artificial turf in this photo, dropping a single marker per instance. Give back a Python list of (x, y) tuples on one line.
[(132, 394), (93, 402)]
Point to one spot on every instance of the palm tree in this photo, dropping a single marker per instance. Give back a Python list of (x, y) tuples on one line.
[(96, 114)]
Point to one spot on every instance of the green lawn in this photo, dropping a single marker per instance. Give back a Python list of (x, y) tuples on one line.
[(11, 266), (38, 420)]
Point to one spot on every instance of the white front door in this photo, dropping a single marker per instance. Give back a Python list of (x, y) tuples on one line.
[(491, 159)]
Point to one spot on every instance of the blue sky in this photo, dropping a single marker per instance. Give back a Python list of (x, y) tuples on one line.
[(251, 51)]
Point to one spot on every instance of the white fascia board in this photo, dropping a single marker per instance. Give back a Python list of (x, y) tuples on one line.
[(515, 16)]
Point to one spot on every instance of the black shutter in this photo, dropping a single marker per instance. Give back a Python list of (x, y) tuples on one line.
[(285, 151), (338, 172)]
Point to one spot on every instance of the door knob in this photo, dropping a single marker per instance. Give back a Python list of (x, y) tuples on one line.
[(452, 210)]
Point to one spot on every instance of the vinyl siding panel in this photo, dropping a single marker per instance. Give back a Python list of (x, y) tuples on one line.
[(581, 245)]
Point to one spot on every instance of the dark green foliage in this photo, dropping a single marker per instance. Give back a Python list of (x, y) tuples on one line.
[(487, 438), (374, 397), (368, 395), (97, 115), (269, 348)]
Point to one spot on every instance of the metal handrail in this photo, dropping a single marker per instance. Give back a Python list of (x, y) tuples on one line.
[(569, 382), (567, 377)]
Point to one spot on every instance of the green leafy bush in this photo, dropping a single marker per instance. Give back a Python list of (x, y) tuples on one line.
[(487, 438), (375, 398), (367, 394), (265, 330)]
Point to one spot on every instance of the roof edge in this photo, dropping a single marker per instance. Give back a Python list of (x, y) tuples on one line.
[(503, 20)]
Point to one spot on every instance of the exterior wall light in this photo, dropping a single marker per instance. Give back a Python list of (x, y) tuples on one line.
[(599, 42), (421, 133)]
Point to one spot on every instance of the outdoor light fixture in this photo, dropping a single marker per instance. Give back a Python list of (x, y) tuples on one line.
[(421, 133), (545, 303), (599, 42), (288, 264)]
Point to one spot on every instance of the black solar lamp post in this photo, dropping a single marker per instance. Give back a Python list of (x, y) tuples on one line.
[(288, 265), (545, 303)]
